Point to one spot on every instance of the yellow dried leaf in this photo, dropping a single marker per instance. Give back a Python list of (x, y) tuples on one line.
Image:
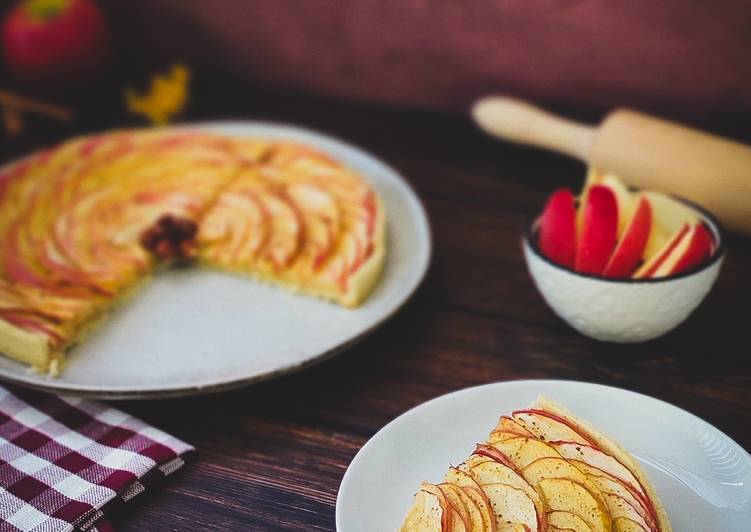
[(167, 96)]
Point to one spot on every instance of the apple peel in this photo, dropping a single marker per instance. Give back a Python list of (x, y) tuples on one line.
[(558, 228), (598, 235), (630, 249)]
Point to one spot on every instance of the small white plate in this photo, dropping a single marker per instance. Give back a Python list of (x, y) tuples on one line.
[(702, 476), (192, 331)]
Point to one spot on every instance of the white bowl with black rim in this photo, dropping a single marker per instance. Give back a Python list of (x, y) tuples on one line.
[(623, 310)]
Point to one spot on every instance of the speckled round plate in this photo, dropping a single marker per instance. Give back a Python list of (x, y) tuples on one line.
[(195, 331), (701, 475)]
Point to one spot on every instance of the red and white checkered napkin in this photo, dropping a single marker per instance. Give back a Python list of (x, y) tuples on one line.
[(64, 461)]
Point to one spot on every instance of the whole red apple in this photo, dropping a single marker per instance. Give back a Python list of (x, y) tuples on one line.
[(55, 44)]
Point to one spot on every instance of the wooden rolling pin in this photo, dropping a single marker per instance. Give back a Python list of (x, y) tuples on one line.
[(644, 151)]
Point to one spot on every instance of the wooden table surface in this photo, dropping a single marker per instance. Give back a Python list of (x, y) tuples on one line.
[(271, 457)]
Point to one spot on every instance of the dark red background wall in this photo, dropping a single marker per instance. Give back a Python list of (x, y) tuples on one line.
[(681, 58), (686, 59)]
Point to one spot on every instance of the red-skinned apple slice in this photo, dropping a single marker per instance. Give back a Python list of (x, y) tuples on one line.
[(456, 524), (52, 260), (358, 210), (491, 452), (492, 472), (500, 435), (480, 500), (558, 228), (286, 229), (236, 229), (362, 232), (598, 234), (620, 507), (543, 468), (630, 249), (370, 208), (593, 178), (321, 221), (255, 233), (446, 513), (523, 451), (637, 493), (649, 268), (693, 248), (21, 267), (460, 478), (472, 489), (71, 229), (355, 244), (669, 216), (33, 323), (84, 235), (472, 461), (222, 229), (459, 513), (507, 423), (599, 460), (548, 427), (55, 306), (26, 311), (624, 199), (485, 471), (459, 499), (57, 261), (669, 213), (426, 513), (609, 484)]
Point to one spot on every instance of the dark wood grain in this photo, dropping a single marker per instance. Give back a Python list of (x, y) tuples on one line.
[(271, 457)]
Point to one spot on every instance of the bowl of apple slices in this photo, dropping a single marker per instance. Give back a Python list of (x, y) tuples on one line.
[(622, 265)]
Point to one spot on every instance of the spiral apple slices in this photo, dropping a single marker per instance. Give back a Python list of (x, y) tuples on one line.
[(83, 224), (71, 222), (358, 254), (27, 201), (541, 469), (297, 229)]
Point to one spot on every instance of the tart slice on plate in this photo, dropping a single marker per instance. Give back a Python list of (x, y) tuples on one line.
[(542, 469)]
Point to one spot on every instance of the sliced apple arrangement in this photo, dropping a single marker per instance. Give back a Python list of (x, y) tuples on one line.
[(299, 218), (613, 232), (82, 223), (541, 470)]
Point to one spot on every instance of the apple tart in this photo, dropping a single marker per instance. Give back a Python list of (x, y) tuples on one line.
[(85, 223), (541, 469)]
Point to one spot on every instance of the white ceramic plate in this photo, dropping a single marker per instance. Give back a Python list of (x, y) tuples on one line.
[(196, 330), (702, 476)]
